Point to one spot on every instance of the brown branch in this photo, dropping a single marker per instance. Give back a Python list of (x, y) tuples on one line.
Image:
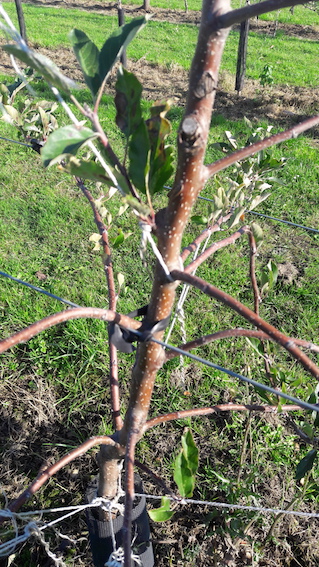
[(157, 479), (202, 236), (192, 266), (76, 313), (250, 316), (252, 271), (239, 155), (108, 268), (250, 11), (214, 409), (257, 298), (314, 442), (229, 333), (43, 476)]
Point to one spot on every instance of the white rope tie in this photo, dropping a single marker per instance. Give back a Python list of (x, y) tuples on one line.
[(147, 237)]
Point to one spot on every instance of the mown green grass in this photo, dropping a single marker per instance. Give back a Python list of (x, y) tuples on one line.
[(45, 225)]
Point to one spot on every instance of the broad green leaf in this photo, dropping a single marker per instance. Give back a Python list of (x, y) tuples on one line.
[(190, 451), (199, 219), (50, 72), (183, 476), (161, 158), (65, 140), (163, 513), (114, 45), (236, 217), (87, 169), (306, 464), (256, 345), (128, 102), (116, 242), (257, 233), (139, 155), (87, 55)]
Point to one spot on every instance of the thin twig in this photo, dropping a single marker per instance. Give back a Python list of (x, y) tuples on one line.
[(183, 414), (158, 480), (202, 236), (108, 268), (44, 475), (214, 247), (250, 316), (76, 313), (251, 11), (219, 165), (229, 333), (252, 271)]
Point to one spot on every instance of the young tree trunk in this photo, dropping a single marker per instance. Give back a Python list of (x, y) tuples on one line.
[(21, 20), (146, 5)]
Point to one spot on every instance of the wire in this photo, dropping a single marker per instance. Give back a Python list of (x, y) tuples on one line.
[(276, 511), (16, 142), (301, 403), (284, 221), (268, 217), (39, 289)]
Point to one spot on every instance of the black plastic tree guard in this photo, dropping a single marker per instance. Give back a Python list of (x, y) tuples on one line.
[(100, 531)]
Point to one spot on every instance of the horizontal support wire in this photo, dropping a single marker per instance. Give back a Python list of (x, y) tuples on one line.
[(39, 290), (301, 403), (9, 546), (271, 218)]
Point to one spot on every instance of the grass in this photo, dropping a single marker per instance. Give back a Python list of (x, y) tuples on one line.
[(62, 374), (48, 27)]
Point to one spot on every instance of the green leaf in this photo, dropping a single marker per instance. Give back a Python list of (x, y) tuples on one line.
[(87, 55), (257, 233), (163, 513), (183, 476), (65, 140), (190, 451), (199, 219), (114, 45), (186, 465), (128, 102), (116, 242), (235, 218), (306, 464), (50, 72), (87, 169), (139, 155), (161, 158), (256, 345)]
